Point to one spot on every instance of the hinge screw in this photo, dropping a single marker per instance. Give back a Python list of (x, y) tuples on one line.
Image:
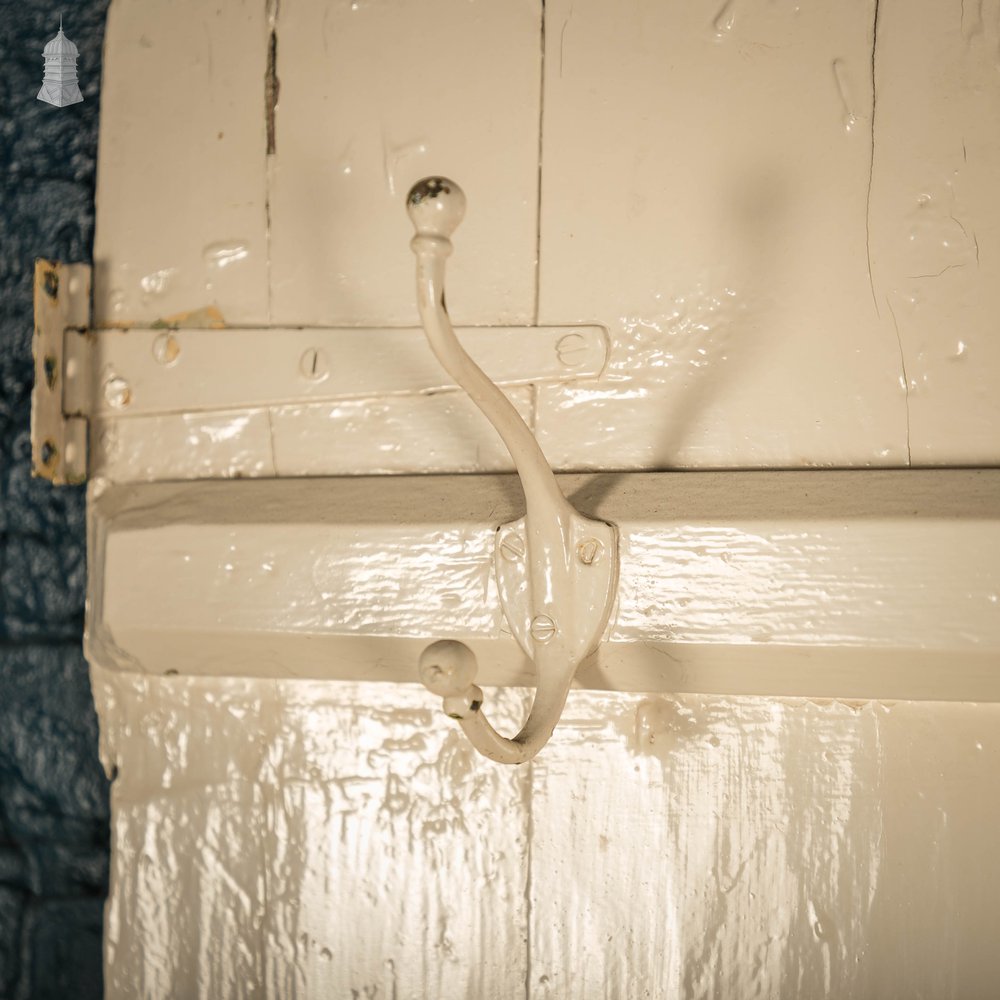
[(572, 350), (117, 392), (314, 365), (166, 350)]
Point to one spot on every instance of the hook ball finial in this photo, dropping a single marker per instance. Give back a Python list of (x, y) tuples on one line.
[(436, 206), (447, 668)]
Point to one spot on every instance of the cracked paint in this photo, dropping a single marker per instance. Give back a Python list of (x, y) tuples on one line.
[(871, 162), (736, 844), (340, 841), (904, 380)]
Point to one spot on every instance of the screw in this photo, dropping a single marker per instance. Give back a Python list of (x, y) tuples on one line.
[(166, 350), (542, 628), (314, 364), (512, 547), (117, 392), (49, 454), (589, 551), (572, 350)]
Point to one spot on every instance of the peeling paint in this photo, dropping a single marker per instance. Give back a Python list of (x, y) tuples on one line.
[(208, 317)]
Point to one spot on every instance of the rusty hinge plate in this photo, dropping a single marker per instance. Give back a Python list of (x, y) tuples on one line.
[(58, 428)]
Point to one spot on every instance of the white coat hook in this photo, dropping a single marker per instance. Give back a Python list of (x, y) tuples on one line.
[(557, 571)]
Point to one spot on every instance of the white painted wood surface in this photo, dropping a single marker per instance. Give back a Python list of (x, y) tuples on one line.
[(182, 200), (299, 839), (374, 436), (757, 201), (705, 847), (373, 98), (788, 224), (936, 222), (719, 230), (278, 841), (853, 585)]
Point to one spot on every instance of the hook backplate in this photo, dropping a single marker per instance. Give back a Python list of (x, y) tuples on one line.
[(559, 600)]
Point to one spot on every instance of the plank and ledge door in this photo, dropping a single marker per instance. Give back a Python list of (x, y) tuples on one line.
[(787, 219)]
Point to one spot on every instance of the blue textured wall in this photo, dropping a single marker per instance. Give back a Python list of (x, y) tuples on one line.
[(53, 796)]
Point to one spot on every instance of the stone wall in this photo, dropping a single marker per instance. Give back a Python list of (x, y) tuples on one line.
[(53, 796)]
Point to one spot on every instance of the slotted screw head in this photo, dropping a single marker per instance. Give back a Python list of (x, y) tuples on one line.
[(512, 547), (543, 628), (589, 551)]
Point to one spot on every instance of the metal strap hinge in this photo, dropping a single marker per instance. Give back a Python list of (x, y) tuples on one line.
[(62, 348), (174, 367)]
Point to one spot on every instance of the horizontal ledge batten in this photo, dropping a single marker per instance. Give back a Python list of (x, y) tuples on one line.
[(814, 583)]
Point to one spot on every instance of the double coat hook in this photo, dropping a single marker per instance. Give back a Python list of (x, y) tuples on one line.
[(557, 571)]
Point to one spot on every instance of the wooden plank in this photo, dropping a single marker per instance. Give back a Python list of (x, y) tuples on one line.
[(373, 98), (704, 195), (850, 584), (419, 843), (340, 837), (306, 840), (700, 847), (181, 195), (936, 221), (444, 432), (187, 904)]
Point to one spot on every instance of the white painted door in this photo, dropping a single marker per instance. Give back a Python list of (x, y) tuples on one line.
[(786, 219)]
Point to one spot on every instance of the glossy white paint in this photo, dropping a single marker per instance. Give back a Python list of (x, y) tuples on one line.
[(393, 434), (556, 569), (761, 227), (181, 201), (723, 240), (784, 216), (766, 256), (372, 98), (704, 847), (293, 839), (805, 583), (192, 371), (935, 224)]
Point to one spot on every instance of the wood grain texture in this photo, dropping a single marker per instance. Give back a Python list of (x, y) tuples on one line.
[(374, 98), (935, 223), (853, 584), (182, 198), (704, 194), (701, 847), (306, 840), (299, 839)]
